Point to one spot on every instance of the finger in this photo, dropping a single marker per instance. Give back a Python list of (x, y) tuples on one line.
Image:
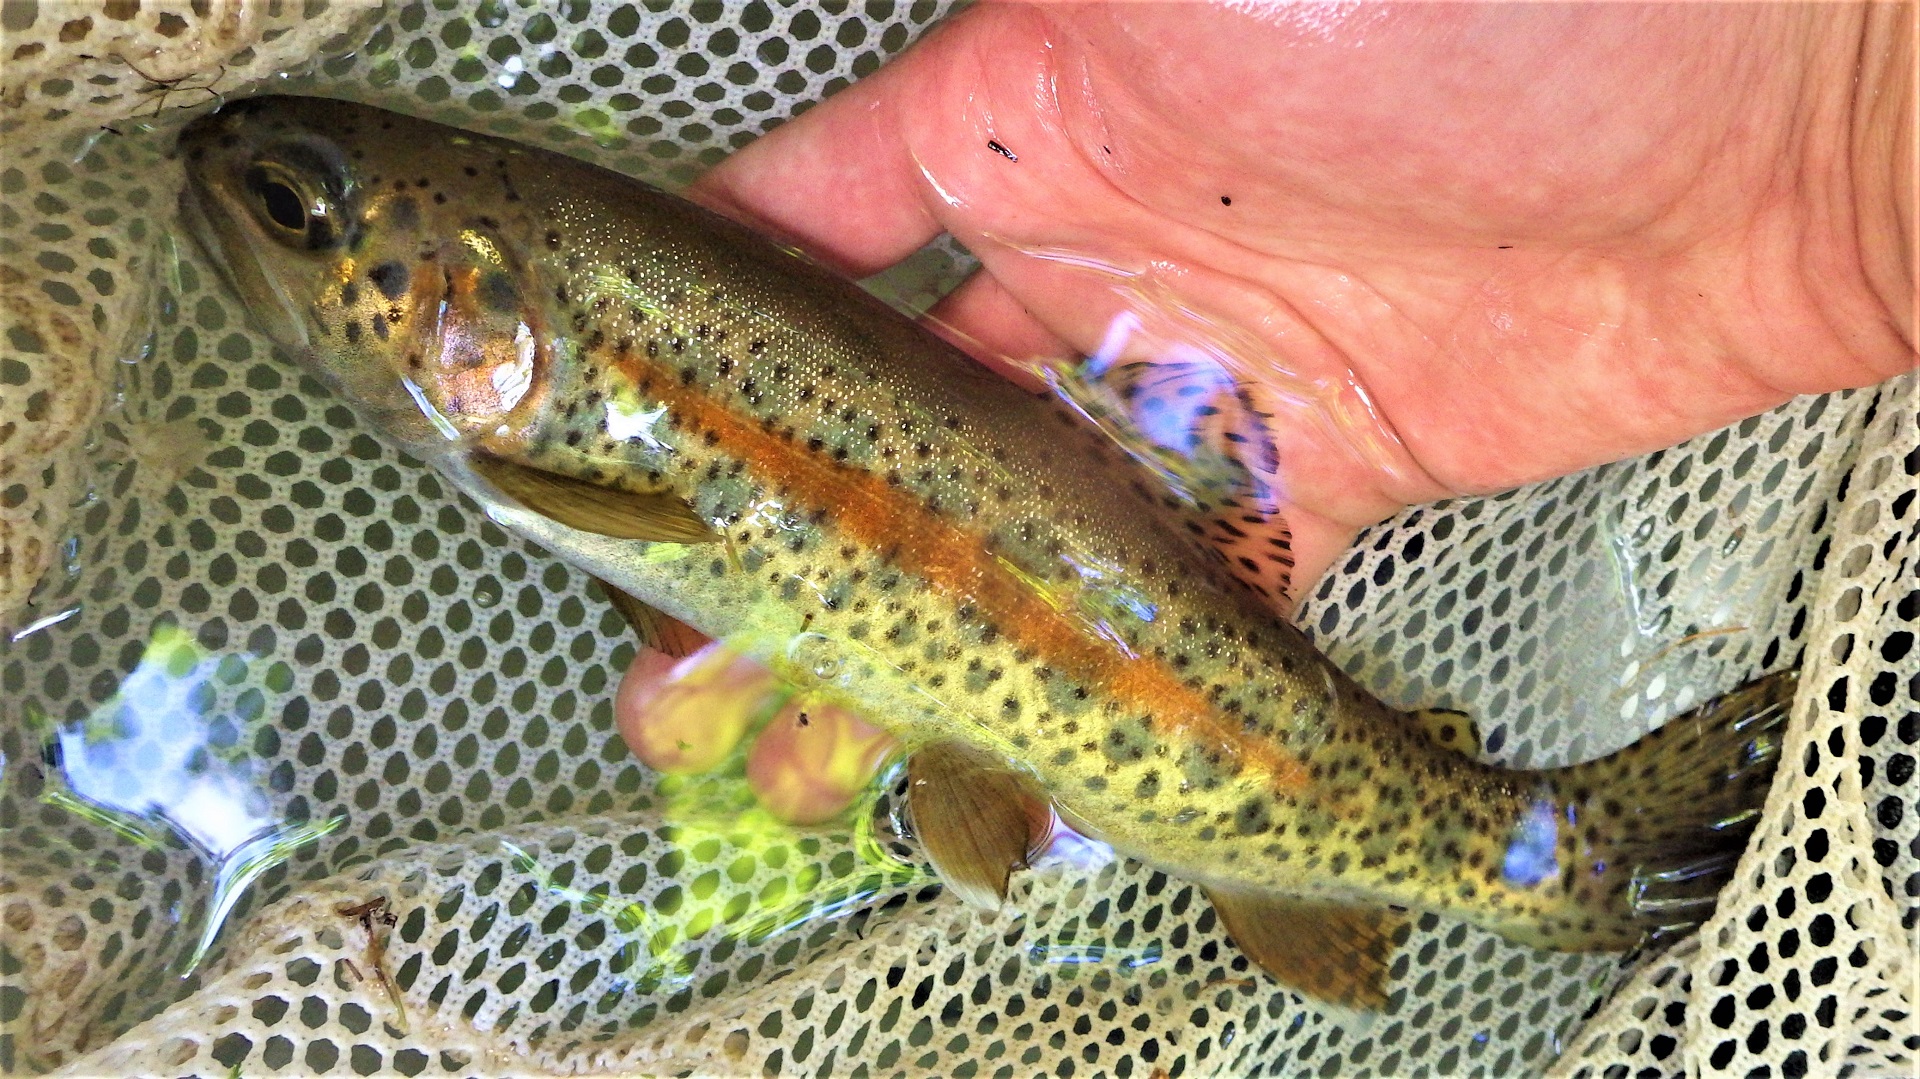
[(992, 325), (813, 761), (686, 716), (840, 182)]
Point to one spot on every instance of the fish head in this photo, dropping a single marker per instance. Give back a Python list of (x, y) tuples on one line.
[(378, 252)]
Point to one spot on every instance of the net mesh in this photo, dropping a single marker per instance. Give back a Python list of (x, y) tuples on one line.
[(309, 767)]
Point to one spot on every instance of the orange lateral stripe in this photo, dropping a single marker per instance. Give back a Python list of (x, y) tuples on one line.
[(956, 563)]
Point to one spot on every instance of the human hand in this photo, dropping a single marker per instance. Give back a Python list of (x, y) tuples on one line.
[(809, 760), (1505, 243), (1536, 238)]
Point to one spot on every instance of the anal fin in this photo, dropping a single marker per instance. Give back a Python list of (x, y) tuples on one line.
[(659, 516), (1332, 953), (657, 630), (975, 817)]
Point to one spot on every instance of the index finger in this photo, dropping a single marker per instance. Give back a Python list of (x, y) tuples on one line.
[(840, 181)]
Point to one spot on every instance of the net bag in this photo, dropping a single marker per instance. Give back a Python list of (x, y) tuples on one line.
[(310, 768)]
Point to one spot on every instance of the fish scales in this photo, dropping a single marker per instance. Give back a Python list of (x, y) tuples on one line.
[(958, 559), (923, 543)]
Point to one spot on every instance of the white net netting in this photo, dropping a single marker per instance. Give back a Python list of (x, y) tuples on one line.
[(309, 767)]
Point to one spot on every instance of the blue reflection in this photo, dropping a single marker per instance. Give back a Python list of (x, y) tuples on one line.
[(159, 757), (1532, 851), (151, 750)]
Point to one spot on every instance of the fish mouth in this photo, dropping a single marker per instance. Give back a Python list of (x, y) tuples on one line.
[(223, 239)]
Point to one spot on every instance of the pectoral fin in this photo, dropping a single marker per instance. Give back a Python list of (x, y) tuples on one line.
[(975, 818), (660, 632), (1332, 953), (660, 516)]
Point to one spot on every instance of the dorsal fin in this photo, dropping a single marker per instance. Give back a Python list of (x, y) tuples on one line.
[(660, 516), (1196, 427), (1331, 953)]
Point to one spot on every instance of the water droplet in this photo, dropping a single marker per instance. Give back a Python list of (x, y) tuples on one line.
[(149, 345), (486, 594)]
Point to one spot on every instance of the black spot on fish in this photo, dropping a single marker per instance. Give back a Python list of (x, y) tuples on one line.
[(497, 291), (379, 325), (349, 294), (404, 213), (390, 278), (353, 332), (553, 239)]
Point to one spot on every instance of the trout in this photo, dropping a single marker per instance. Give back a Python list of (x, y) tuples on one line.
[(739, 439)]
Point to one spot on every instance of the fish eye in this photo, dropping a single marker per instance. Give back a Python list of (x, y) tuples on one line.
[(291, 210), (283, 205)]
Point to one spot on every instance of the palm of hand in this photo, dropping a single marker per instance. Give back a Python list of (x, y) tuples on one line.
[(1512, 245)]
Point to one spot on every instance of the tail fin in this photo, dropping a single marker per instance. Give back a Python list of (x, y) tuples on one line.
[(1663, 822)]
